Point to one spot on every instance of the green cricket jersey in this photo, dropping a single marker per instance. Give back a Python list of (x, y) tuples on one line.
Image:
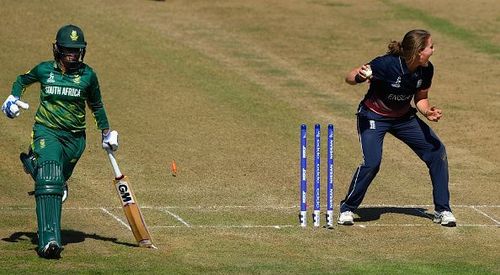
[(63, 96)]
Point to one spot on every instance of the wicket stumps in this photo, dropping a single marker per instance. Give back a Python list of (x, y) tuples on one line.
[(317, 176), (303, 178), (329, 177)]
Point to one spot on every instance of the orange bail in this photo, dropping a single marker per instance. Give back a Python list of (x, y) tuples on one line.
[(173, 168)]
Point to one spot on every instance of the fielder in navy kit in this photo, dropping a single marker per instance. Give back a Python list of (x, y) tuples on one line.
[(403, 74)]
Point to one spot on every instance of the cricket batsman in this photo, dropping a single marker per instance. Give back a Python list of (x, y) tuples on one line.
[(58, 138)]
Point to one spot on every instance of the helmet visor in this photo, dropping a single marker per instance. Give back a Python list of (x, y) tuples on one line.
[(70, 57)]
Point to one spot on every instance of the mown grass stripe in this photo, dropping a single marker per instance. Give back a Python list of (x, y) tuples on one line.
[(444, 26)]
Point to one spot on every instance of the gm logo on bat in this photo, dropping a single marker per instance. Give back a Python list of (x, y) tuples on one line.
[(124, 191)]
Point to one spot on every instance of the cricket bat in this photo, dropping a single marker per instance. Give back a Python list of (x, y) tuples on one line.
[(130, 206)]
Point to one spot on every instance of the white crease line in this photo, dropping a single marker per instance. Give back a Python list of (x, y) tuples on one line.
[(277, 207), (273, 226), (297, 226), (246, 226), (392, 225), (116, 218), (420, 225), (497, 222), (226, 226), (425, 205), (177, 217), (251, 207), (222, 207)]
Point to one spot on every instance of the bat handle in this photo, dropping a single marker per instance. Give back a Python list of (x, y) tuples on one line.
[(114, 164)]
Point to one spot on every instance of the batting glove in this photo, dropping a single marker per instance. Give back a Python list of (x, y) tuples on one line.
[(110, 140), (9, 107)]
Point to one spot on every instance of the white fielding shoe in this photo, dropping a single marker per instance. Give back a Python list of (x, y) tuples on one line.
[(346, 218), (445, 218)]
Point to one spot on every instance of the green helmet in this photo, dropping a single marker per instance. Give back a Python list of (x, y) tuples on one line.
[(69, 48), (70, 36)]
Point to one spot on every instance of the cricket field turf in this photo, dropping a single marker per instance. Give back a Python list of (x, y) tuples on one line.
[(222, 88)]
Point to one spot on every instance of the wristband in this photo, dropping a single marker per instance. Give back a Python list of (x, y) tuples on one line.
[(359, 79)]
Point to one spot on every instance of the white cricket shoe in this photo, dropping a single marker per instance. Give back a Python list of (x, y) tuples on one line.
[(346, 218), (445, 218)]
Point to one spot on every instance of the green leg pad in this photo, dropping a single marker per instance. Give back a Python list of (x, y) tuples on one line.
[(48, 212), (48, 196)]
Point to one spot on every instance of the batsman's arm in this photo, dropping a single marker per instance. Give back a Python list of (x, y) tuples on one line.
[(13, 103), (23, 81), (95, 104)]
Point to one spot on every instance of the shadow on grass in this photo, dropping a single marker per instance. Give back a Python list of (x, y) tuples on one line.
[(68, 237), (373, 213)]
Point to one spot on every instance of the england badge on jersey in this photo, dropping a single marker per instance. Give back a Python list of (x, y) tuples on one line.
[(397, 84)]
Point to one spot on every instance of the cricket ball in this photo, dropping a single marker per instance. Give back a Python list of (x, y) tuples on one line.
[(367, 73)]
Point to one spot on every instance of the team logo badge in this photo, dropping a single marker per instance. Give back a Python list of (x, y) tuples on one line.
[(51, 78), (74, 35), (397, 84), (76, 80), (42, 143), (372, 124)]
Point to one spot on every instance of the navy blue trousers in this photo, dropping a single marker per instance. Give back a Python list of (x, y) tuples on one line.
[(415, 133)]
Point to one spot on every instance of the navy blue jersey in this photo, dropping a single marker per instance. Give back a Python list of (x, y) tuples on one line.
[(393, 86)]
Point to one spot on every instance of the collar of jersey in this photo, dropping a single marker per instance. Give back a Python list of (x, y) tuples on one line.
[(404, 68), (79, 71)]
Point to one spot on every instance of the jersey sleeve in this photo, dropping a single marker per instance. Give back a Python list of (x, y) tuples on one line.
[(427, 74), (377, 66), (94, 101), (23, 81)]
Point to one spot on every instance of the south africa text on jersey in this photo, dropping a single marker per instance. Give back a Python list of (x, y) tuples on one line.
[(57, 90)]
